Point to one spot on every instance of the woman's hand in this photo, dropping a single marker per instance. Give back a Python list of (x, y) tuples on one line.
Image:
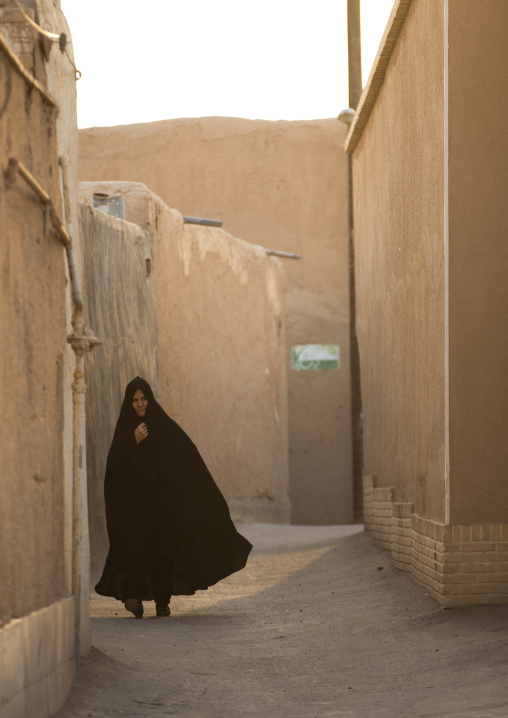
[(140, 433)]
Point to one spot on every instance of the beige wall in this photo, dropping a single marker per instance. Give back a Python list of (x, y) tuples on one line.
[(217, 324), (221, 341), (281, 185), (478, 180), (400, 281), (38, 636), (120, 305), (33, 341)]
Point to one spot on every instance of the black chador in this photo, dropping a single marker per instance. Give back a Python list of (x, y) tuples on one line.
[(169, 527)]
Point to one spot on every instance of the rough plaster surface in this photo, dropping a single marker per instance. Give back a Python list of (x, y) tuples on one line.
[(281, 185), (61, 83), (212, 311), (120, 305), (33, 340), (400, 282), (401, 167), (221, 342), (478, 173)]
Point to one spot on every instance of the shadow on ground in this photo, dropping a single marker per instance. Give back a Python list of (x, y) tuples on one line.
[(318, 624)]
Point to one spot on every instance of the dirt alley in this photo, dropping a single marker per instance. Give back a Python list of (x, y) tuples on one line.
[(312, 628)]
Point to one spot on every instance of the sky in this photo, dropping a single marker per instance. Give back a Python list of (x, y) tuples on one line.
[(146, 60)]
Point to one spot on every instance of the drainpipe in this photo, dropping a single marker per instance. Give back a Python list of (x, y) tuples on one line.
[(81, 342), (355, 90)]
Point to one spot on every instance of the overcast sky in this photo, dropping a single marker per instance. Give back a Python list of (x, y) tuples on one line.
[(162, 59)]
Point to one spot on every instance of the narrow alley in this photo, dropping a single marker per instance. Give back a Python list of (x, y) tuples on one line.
[(319, 624)]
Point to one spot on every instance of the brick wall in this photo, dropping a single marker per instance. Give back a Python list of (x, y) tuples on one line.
[(458, 565)]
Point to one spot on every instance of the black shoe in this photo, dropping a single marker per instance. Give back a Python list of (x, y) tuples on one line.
[(135, 607), (163, 611)]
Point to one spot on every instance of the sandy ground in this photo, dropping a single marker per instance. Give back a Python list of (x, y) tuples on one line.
[(319, 624)]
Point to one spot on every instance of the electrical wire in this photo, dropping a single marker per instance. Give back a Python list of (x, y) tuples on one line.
[(77, 72)]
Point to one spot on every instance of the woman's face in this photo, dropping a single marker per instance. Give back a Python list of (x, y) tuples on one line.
[(140, 402)]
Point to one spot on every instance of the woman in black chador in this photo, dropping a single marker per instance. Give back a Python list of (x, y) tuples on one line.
[(169, 527)]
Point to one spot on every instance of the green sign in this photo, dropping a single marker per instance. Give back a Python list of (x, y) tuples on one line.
[(315, 356)]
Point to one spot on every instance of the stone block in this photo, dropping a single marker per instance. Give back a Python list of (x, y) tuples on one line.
[(501, 554), (475, 588), (477, 567), (477, 532), (12, 663), (369, 481), (487, 532), (37, 661), (402, 510), (385, 494), (478, 546), (466, 557), (493, 576), (456, 534), (462, 578), (37, 702), (497, 532)]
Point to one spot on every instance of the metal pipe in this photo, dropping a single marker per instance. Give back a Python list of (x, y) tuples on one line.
[(288, 255), (203, 221), (355, 90)]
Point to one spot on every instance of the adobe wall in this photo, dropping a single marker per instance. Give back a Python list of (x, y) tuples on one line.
[(222, 331), (281, 185), (212, 311), (120, 305), (38, 633), (33, 341), (400, 281), (432, 261), (478, 177), (61, 83)]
